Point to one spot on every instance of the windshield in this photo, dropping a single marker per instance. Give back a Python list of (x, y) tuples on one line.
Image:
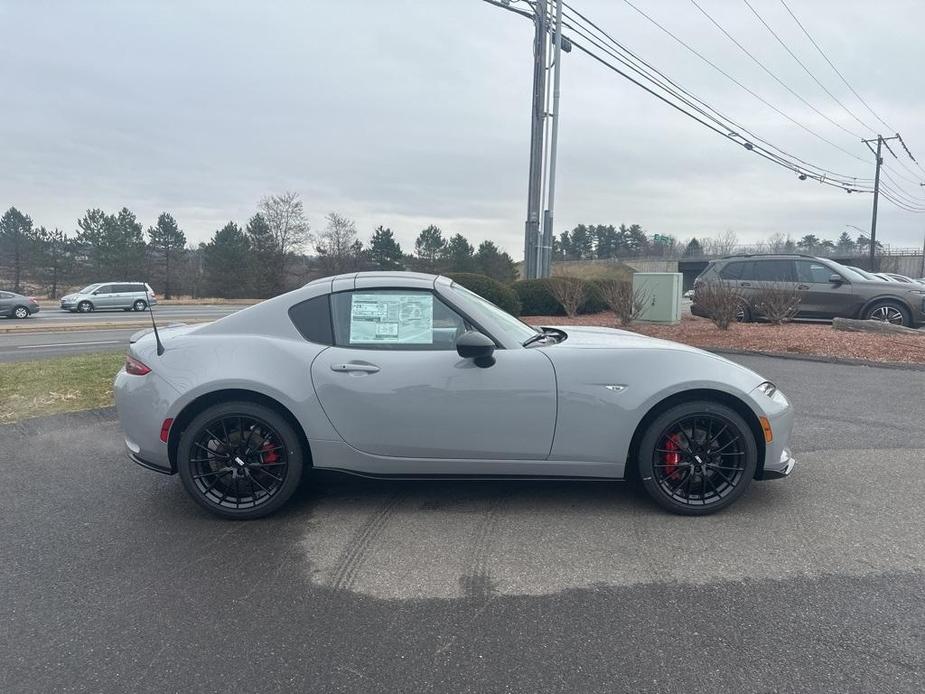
[(852, 273), (479, 308), (89, 288)]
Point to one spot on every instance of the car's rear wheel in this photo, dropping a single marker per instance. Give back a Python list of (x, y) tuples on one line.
[(240, 460), (743, 314), (21, 312), (85, 307), (697, 458), (139, 305), (889, 312)]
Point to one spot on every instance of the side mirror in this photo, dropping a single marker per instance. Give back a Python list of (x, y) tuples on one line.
[(474, 345), (835, 278)]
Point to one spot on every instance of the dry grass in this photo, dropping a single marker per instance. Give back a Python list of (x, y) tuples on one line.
[(593, 271), (794, 338), (51, 386)]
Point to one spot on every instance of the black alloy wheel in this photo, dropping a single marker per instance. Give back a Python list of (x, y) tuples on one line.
[(697, 458), (240, 460)]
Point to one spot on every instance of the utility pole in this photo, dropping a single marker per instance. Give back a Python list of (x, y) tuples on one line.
[(881, 141), (537, 130), (545, 263)]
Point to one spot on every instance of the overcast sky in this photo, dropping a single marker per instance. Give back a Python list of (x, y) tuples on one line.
[(411, 112)]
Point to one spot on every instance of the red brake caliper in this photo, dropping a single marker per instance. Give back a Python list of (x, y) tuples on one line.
[(673, 457), (268, 455)]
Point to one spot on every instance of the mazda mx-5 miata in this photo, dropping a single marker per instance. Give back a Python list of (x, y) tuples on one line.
[(406, 375)]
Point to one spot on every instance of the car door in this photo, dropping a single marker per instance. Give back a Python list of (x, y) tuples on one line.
[(823, 298), (6, 303), (393, 384), (103, 296)]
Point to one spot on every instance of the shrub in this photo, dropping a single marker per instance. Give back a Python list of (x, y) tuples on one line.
[(778, 302), (626, 302), (720, 301), (570, 292), (497, 293), (537, 299)]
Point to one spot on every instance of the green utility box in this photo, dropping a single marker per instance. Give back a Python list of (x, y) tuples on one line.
[(662, 292)]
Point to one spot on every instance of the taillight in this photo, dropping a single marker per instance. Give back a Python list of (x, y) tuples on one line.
[(33, 300), (135, 367)]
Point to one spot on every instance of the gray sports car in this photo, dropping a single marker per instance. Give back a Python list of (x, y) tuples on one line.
[(395, 374)]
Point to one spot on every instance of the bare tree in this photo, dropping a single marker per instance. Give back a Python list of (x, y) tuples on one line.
[(626, 302), (337, 249), (723, 303), (724, 244), (569, 292), (285, 217), (777, 302)]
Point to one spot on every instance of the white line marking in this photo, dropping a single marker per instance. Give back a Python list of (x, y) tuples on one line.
[(71, 344)]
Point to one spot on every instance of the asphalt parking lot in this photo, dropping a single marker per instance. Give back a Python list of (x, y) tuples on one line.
[(112, 580)]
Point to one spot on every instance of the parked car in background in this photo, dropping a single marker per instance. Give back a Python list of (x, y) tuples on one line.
[(103, 296), (396, 374), (830, 290), (898, 278), (13, 305)]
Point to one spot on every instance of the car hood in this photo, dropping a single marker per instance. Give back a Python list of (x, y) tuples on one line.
[(611, 338)]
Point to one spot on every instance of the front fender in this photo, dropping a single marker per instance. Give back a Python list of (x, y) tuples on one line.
[(605, 393)]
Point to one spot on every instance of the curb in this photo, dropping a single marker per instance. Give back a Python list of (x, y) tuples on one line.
[(846, 361)]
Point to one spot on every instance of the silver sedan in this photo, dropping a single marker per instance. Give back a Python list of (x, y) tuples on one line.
[(393, 374)]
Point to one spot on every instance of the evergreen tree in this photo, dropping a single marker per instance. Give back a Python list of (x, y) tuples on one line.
[(17, 240), (694, 249), (266, 278), (167, 240), (226, 263), (458, 256), (845, 243), (54, 259), (495, 263), (428, 248), (90, 239), (384, 251)]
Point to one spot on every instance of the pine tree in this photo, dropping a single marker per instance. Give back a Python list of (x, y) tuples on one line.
[(458, 256), (498, 265), (167, 240), (226, 263), (428, 247), (384, 251), (17, 239), (266, 278)]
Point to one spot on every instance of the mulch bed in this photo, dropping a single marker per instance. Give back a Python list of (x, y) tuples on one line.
[(795, 338)]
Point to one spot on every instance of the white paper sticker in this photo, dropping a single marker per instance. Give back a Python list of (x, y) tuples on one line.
[(392, 319)]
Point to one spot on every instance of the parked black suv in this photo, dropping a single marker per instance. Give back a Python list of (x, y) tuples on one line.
[(829, 289)]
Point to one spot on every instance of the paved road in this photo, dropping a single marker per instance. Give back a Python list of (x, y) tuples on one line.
[(112, 580), (21, 345), (166, 313)]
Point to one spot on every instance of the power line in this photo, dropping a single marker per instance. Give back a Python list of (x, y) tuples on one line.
[(772, 74), (720, 119), (806, 69), (740, 84)]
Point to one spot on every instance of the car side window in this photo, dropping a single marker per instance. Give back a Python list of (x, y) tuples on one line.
[(774, 271), (312, 319), (394, 319), (104, 289), (812, 273), (732, 271), (121, 288), (4, 295)]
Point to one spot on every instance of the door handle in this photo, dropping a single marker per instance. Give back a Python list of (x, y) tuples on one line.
[(355, 366), (802, 286), (745, 284)]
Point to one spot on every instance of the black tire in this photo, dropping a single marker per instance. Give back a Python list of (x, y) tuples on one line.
[(684, 432), (21, 312), (85, 307), (889, 312), (226, 474), (139, 305), (743, 313)]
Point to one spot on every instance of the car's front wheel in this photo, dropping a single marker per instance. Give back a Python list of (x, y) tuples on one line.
[(84, 307), (21, 312), (240, 460), (697, 458), (889, 312)]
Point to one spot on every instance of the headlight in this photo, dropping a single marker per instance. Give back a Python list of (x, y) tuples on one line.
[(769, 389)]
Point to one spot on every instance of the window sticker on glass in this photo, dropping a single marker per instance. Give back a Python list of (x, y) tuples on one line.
[(406, 319)]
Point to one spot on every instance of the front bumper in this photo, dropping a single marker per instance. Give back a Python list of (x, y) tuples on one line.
[(782, 468)]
